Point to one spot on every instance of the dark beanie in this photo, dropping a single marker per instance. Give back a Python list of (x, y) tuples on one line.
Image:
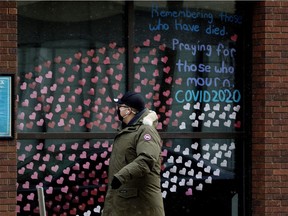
[(133, 100)]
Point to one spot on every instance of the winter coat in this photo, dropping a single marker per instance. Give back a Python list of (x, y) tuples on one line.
[(136, 162)]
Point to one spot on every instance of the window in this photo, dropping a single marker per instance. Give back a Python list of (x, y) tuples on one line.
[(189, 60)]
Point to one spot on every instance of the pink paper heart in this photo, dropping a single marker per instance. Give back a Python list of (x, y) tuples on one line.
[(146, 42), (157, 37)]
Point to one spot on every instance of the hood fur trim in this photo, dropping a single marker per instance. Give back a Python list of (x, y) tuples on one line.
[(151, 118)]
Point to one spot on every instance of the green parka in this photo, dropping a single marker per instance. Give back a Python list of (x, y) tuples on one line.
[(136, 162)]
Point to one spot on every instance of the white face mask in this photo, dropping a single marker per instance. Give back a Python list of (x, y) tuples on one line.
[(119, 113)]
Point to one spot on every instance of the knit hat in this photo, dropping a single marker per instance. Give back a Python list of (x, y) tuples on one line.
[(133, 100)]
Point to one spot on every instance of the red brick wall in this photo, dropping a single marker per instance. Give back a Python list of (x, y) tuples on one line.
[(8, 65), (270, 109)]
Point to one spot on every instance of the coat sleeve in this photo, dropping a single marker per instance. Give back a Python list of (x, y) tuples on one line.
[(148, 151)]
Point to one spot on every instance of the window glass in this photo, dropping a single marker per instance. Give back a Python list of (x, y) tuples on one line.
[(188, 64), (73, 174), (70, 65), (200, 176)]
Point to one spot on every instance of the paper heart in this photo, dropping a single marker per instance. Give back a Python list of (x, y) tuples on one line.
[(32, 85), (57, 59), (62, 70), (182, 171), (102, 50), (157, 37), (227, 123), (94, 79), (43, 90), (167, 70), (188, 163), (136, 60), (39, 79), (47, 63), (137, 89), (145, 60), (164, 60), (50, 99), (144, 81), (36, 157), (78, 91), (93, 157), (76, 68), (77, 55), (99, 166), (106, 60), (168, 80), (86, 165), (216, 172), (102, 90), (137, 49), (191, 172), (154, 61), (121, 50), (162, 47), (169, 101), (156, 87), (21, 171), (189, 192), (48, 178), (120, 66), (200, 163), (59, 181), (110, 71), (152, 51), (164, 194), (182, 126), (59, 157), (23, 86), (116, 86), (234, 37), (207, 123), (90, 52), (46, 158), (146, 42), (64, 189), (68, 61), (60, 80), (168, 113), (85, 60), (27, 207), (38, 68), (87, 69), (179, 114), (87, 102), (156, 73)]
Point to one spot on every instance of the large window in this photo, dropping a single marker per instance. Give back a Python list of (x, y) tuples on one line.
[(189, 60)]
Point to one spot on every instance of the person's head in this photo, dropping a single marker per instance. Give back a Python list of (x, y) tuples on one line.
[(130, 104)]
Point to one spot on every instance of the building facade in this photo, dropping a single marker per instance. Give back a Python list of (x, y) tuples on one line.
[(215, 72)]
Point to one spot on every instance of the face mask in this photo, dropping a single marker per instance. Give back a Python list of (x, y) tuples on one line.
[(119, 115), (122, 117)]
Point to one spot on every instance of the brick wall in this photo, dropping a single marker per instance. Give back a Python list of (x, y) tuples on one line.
[(270, 109), (8, 65)]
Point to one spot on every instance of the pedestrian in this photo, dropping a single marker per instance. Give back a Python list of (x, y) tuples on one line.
[(135, 163)]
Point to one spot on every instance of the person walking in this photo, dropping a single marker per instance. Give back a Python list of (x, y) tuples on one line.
[(135, 163)]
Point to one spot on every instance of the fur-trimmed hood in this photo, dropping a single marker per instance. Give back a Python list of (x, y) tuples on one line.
[(151, 119)]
